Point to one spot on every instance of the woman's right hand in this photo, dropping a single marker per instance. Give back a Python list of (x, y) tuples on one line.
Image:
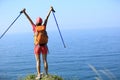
[(23, 11), (52, 9)]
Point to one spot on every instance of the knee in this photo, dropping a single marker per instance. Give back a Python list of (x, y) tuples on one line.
[(44, 60), (37, 62)]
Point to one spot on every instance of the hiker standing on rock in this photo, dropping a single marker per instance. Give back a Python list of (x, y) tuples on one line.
[(40, 41)]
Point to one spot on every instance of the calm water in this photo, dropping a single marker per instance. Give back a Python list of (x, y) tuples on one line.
[(89, 54)]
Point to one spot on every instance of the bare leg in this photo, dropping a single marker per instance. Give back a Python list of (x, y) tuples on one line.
[(38, 62), (44, 56)]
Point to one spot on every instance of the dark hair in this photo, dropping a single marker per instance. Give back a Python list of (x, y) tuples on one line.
[(38, 24)]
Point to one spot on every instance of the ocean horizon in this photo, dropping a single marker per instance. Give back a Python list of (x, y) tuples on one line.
[(89, 54)]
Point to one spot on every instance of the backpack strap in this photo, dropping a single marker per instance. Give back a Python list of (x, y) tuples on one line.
[(40, 28)]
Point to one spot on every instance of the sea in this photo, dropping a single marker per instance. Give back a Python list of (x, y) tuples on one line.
[(90, 54)]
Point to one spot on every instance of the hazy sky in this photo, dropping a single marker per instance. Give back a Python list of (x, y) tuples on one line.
[(71, 14)]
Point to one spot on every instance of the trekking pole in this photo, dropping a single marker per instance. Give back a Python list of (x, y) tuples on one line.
[(10, 26), (53, 11)]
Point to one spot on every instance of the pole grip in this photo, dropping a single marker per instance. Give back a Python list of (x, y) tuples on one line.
[(52, 9)]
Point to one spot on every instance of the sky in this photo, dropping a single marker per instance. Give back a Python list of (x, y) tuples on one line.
[(72, 14)]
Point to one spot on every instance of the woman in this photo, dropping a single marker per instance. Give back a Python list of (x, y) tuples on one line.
[(39, 48)]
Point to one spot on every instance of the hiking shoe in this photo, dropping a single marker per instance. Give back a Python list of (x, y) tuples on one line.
[(38, 78)]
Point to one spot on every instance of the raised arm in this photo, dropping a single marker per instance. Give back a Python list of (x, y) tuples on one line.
[(24, 11), (46, 19)]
